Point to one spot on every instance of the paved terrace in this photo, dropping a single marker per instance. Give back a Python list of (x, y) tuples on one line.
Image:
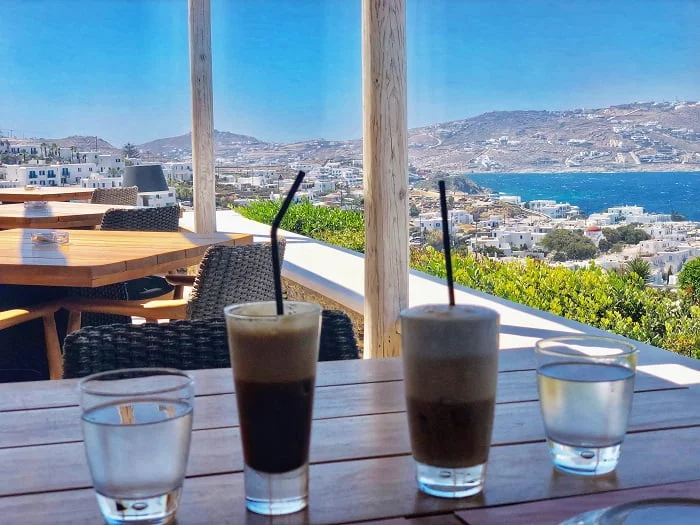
[(338, 273)]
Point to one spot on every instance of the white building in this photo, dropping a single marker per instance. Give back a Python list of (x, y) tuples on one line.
[(48, 174), (648, 218), (594, 233), (675, 258), (322, 185), (554, 209), (517, 239), (28, 148), (625, 211), (112, 164), (601, 219), (98, 180), (432, 220), (672, 231), (510, 199), (157, 199), (538, 204), (306, 167), (494, 221), (654, 246), (178, 171)]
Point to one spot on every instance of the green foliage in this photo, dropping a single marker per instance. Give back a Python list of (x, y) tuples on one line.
[(689, 278), (604, 245), (628, 234), (641, 268), (130, 151), (607, 300), (490, 251), (433, 238), (183, 191), (305, 218), (350, 239), (572, 244)]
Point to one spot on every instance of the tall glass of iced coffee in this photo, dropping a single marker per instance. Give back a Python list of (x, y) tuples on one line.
[(274, 371), (450, 359)]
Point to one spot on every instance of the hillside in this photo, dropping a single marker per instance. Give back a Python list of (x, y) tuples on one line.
[(82, 142), (654, 136), (225, 143)]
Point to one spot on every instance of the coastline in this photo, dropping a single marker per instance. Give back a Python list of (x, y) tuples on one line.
[(593, 192)]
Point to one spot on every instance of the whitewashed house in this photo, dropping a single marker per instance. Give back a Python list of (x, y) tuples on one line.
[(98, 180), (178, 171), (432, 220)]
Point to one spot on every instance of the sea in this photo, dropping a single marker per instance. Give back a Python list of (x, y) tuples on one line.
[(657, 192)]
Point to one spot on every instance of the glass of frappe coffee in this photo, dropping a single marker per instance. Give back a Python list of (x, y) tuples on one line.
[(274, 370), (450, 360)]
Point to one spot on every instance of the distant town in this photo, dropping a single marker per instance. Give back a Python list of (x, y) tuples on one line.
[(495, 225)]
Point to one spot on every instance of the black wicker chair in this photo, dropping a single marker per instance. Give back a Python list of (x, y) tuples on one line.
[(187, 345), (126, 196), (233, 275), (164, 219), (137, 219)]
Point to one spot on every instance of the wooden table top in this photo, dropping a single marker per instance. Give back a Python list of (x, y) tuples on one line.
[(54, 215), (361, 468), (95, 257), (45, 193)]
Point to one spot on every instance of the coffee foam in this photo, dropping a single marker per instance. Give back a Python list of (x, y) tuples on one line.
[(450, 352), (266, 347), (471, 330)]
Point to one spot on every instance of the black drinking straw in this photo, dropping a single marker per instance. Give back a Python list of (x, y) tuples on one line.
[(446, 243), (273, 237)]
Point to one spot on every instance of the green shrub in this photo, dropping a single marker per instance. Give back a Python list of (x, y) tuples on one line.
[(305, 218), (628, 234), (689, 278), (619, 303), (569, 243)]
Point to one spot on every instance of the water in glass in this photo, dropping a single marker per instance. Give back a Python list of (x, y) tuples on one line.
[(585, 407), (137, 453)]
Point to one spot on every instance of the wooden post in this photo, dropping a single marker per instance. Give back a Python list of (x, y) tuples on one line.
[(204, 196), (385, 160)]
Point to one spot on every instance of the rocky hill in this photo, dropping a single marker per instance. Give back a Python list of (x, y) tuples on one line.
[(225, 144), (81, 142), (640, 136)]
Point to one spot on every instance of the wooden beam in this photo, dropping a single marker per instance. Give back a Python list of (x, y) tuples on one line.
[(385, 140), (204, 197)]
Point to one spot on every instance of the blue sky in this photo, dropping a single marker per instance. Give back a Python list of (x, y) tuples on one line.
[(288, 70)]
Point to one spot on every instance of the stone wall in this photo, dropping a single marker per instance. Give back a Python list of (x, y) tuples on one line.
[(297, 292)]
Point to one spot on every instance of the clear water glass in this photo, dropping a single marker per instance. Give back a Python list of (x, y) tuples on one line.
[(586, 385), (137, 425)]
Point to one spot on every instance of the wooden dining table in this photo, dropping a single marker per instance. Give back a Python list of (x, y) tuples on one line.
[(54, 215), (94, 258), (45, 193), (361, 467)]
